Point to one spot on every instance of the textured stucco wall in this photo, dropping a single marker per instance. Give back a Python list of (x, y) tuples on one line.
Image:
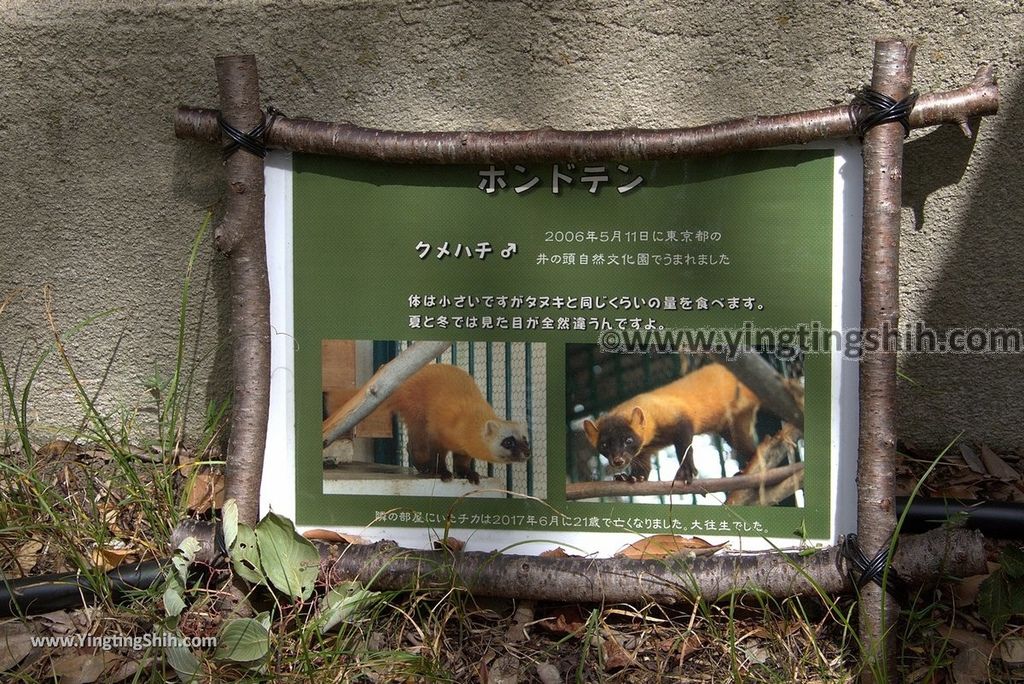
[(100, 201)]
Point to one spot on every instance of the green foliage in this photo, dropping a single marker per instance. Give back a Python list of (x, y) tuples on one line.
[(274, 554), (345, 602), (170, 393), (243, 640), (288, 560), (1001, 595), (182, 659), (274, 558)]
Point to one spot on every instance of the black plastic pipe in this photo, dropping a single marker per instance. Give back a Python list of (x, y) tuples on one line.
[(58, 591), (997, 520)]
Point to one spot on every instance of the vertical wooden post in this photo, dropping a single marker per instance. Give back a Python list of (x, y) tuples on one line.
[(242, 239), (876, 511)]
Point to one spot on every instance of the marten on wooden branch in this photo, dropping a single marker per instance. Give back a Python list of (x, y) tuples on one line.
[(443, 410), (709, 399)]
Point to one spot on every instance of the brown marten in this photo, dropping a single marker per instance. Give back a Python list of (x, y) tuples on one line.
[(443, 410), (710, 399)]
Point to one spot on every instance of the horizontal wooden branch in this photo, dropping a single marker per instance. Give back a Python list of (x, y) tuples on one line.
[(587, 490), (919, 560), (978, 98)]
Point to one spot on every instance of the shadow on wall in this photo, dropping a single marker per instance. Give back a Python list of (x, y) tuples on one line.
[(932, 162), (988, 238)]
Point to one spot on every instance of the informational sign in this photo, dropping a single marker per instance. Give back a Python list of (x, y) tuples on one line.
[(575, 403)]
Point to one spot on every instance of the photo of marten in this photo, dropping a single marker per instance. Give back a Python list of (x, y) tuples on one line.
[(684, 428), (433, 418)]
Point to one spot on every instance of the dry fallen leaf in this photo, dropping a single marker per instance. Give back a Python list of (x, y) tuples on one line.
[(27, 555), (557, 552), (666, 545), (966, 590), (105, 558), (1011, 650), (15, 644), (57, 448), (997, 466), (972, 460), (450, 543), (564, 620), (333, 537), (207, 491), (613, 655), (82, 668), (970, 667)]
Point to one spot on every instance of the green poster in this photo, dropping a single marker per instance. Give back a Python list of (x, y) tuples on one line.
[(575, 402)]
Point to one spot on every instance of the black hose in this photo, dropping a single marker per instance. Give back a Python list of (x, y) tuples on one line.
[(997, 520), (60, 591)]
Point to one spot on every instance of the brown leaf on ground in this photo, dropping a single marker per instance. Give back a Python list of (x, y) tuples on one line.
[(966, 590), (107, 558), (333, 537), (972, 460), (205, 491), (1011, 650), (564, 620), (57, 448), (451, 544), (83, 668), (27, 555), (15, 644), (666, 545), (970, 667), (613, 655), (523, 616), (997, 467)]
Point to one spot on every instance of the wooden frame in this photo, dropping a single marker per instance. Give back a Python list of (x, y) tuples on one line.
[(240, 236)]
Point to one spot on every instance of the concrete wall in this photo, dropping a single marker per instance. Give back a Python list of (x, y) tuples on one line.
[(101, 202)]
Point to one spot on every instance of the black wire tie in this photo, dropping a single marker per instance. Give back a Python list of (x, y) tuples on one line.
[(253, 142), (871, 108), (869, 571)]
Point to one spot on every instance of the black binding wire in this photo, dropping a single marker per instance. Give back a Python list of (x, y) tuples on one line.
[(871, 108), (253, 142), (870, 571)]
